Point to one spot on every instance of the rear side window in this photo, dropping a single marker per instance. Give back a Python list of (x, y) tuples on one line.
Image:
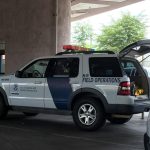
[(63, 67), (105, 67)]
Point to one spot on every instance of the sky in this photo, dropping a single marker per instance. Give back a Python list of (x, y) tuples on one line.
[(99, 20)]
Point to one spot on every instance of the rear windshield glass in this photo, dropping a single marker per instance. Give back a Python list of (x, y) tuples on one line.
[(105, 67)]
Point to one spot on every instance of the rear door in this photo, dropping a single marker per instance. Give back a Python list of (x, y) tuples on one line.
[(63, 78)]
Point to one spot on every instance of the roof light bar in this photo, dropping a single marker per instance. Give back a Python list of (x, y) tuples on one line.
[(76, 48)]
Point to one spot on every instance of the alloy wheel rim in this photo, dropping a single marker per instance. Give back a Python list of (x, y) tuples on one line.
[(87, 114)]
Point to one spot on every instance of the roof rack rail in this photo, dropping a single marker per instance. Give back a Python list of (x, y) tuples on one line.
[(85, 52)]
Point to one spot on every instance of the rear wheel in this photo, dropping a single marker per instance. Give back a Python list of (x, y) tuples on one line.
[(118, 120), (3, 109), (88, 114)]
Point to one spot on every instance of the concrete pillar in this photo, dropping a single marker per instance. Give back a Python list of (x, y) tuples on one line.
[(63, 23), (33, 29), (0, 64)]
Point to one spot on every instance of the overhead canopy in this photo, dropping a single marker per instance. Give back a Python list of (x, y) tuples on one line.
[(85, 8)]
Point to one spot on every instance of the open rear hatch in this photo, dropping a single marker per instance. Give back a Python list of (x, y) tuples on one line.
[(136, 49), (136, 73)]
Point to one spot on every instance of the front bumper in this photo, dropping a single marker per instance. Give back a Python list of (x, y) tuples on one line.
[(146, 142), (139, 106)]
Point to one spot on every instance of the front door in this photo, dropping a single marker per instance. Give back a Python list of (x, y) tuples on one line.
[(28, 89)]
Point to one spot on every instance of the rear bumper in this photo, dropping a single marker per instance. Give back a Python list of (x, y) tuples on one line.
[(146, 142), (139, 106)]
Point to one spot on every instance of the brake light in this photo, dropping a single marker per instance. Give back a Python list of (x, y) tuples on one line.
[(124, 88), (76, 48)]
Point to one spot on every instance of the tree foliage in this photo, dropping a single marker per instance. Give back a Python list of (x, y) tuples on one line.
[(83, 34), (121, 33)]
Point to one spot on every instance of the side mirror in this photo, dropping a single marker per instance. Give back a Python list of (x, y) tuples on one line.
[(18, 74)]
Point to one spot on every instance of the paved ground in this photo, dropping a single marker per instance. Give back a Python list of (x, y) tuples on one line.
[(52, 132)]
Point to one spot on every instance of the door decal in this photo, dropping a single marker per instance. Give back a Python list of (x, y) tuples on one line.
[(61, 91)]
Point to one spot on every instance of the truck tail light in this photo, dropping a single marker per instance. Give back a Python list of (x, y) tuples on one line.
[(124, 88)]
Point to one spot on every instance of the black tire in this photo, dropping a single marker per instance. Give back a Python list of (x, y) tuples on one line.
[(146, 142), (118, 120), (98, 115), (30, 114), (3, 109)]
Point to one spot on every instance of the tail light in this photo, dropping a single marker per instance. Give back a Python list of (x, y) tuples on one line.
[(124, 88)]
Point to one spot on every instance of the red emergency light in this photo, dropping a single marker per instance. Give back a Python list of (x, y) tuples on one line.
[(76, 48)]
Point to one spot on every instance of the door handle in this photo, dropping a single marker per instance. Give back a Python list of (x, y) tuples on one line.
[(38, 82)]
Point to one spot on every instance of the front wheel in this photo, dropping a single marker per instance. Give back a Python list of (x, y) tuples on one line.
[(88, 114), (3, 109), (118, 120)]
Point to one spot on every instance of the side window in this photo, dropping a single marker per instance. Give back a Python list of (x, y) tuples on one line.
[(63, 67), (104, 67), (35, 70), (129, 68)]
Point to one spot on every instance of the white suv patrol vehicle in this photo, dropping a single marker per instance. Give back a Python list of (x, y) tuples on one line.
[(92, 85)]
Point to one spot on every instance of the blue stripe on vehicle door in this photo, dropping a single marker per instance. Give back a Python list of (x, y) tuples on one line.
[(61, 91)]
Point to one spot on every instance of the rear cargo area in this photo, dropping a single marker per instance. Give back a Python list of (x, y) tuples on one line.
[(138, 78)]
